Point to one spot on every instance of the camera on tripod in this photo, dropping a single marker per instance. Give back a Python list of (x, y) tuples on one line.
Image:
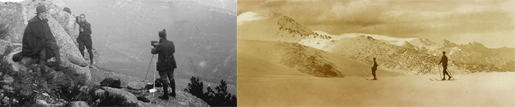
[(153, 43)]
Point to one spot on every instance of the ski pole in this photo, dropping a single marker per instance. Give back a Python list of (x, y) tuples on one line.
[(440, 73)]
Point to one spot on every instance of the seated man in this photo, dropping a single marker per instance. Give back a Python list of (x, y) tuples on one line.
[(38, 40)]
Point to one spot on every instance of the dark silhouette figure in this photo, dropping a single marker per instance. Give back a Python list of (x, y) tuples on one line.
[(444, 64), (84, 38), (165, 63), (38, 40), (374, 68)]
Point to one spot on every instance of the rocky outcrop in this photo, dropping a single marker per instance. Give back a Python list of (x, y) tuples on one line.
[(15, 17)]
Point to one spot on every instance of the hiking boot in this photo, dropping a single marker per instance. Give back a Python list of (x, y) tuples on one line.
[(164, 97), (449, 79), (172, 94), (375, 78), (443, 79)]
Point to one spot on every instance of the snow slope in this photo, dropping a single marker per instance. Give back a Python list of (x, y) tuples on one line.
[(479, 89)]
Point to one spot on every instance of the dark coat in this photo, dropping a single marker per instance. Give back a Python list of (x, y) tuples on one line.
[(36, 35), (166, 60), (86, 33), (374, 66), (444, 60)]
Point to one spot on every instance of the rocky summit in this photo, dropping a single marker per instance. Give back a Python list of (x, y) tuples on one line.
[(22, 83)]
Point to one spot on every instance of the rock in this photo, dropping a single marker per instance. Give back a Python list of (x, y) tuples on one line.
[(78, 104), (7, 79), (118, 97), (42, 103), (46, 94), (4, 46), (100, 93), (136, 85), (7, 88), (62, 24), (111, 82), (5, 100)]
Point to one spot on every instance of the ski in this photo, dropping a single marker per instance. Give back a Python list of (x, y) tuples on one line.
[(440, 79)]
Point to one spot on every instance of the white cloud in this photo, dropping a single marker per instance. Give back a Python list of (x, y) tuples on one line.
[(248, 16)]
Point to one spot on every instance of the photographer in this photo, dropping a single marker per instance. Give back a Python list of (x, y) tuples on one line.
[(165, 63)]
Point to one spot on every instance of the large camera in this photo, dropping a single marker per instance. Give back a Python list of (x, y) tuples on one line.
[(153, 43)]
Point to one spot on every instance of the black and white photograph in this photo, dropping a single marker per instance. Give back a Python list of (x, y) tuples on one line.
[(145, 53), (376, 52)]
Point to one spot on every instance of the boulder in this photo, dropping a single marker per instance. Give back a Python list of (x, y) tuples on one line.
[(136, 85), (111, 82), (78, 104), (118, 97), (4, 47), (15, 16)]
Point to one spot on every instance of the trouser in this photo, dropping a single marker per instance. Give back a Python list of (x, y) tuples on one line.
[(445, 72), (374, 72), (165, 77), (86, 43), (44, 55)]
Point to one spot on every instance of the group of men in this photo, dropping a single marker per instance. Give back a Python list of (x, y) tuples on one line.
[(39, 43), (443, 61)]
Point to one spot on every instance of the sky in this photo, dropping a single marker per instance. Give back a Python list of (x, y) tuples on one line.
[(490, 22)]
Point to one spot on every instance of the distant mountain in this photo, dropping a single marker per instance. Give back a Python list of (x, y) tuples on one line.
[(276, 29), (408, 55), (204, 36), (283, 42)]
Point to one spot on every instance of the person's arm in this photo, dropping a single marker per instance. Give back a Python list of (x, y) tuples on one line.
[(173, 48), (156, 49), (87, 29), (440, 61)]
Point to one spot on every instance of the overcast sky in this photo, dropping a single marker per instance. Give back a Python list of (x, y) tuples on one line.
[(490, 22)]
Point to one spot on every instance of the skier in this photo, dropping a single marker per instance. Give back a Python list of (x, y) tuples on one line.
[(444, 64), (374, 68)]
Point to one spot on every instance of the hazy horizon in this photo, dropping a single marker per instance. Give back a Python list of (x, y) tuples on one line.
[(488, 22)]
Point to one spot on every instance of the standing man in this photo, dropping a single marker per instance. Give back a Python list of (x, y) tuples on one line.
[(165, 63), (374, 68), (38, 40), (444, 64), (84, 38)]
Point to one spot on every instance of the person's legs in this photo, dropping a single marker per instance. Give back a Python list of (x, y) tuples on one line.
[(42, 61), (54, 49), (172, 82), (81, 47), (89, 47), (374, 73), (445, 72), (164, 81)]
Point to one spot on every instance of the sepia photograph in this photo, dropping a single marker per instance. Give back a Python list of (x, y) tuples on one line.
[(376, 52), (143, 53)]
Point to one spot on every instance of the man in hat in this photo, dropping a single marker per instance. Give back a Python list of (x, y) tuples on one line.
[(374, 69), (84, 38), (165, 63), (444, 64), (38, 40)]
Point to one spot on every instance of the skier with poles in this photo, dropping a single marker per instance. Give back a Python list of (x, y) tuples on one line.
[(443, 61)]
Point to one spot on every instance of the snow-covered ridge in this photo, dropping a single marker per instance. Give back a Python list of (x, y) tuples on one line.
[(388, 39)]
